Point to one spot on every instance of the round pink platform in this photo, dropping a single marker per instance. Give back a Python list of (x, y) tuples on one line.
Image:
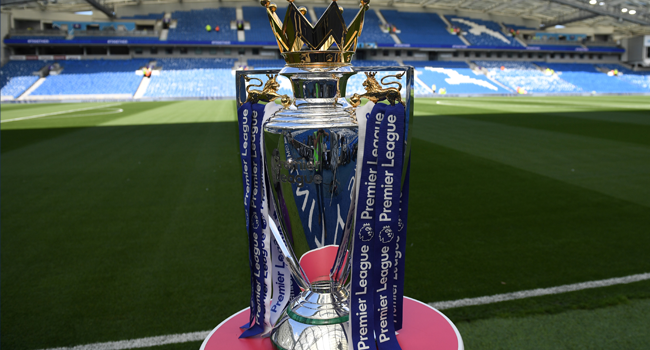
[(424, 327)]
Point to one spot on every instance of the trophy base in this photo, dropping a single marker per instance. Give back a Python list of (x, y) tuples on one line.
[(316, 320), (424, 328)]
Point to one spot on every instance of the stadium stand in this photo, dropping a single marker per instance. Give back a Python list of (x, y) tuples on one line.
[(96, 66), (191, 25), (192, 83), (456, 81), (517, 27), (369, 63), (104, 39), (260, 28), (147, 16), (483, 33), (93, 77), (454, 76), (116, 83), (348, 15), (640, 79), (262, 64), (411, 24), (587, 77), (17, 85), (372, 32), (526, 76), (440, 64), (19, 68), (194, 63)]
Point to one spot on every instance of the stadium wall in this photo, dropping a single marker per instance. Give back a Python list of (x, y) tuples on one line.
[(5, 25)]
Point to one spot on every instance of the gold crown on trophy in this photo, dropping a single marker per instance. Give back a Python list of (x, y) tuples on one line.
[(329, 42)]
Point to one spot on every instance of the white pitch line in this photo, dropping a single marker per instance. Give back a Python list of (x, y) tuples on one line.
[(198, 336), (441, 305), (57, 113), (142, 342)]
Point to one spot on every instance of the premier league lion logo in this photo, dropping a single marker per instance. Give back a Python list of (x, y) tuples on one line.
[(366, 233), (256, 221), (386, 234)]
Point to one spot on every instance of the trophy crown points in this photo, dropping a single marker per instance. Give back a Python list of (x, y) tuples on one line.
[(328, 42)]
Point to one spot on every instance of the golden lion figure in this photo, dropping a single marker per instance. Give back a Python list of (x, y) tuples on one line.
[(268, 93), (375, 92)]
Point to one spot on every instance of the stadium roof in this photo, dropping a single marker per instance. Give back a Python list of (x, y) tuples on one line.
[(622, 17)]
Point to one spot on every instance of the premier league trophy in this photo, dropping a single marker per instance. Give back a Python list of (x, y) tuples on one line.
[(320, 171)]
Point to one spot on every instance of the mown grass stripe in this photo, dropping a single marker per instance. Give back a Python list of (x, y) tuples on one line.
[(57, 113), (142, 342), (198, 336), (441, 305)]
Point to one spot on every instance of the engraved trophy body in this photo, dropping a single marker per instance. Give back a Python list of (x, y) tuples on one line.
[(311, 162), (310, 148)]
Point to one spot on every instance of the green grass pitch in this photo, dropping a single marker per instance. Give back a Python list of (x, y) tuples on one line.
[(122, 220)]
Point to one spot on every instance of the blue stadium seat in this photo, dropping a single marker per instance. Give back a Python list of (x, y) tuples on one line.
[(19, 68), (90, 84), (639, 79), (587, 77), (260, 27), (18, 85), (369, 63), (517, 27), (266, 63), (348, 13), (527, 76), (96, 66), (195, 63), (192, 83), (411, 26), (439, 64), (191, 25), (455, 81), (147, 16), (371, 31), (569, 67), (483, 33)]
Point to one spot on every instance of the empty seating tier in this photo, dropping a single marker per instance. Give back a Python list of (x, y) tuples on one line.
[(439, 64), (260, 27), (455, 81), (17, 85), (483, 33), (527, 76), (191, 25), (19, 68), (262, 64), (412, 27), (194, 63), (114, 83), (192, 83), (587, 77)]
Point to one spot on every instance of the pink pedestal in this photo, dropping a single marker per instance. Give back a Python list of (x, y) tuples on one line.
[(424, 327)]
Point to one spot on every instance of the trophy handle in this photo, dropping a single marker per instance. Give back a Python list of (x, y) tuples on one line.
[(290, 257)]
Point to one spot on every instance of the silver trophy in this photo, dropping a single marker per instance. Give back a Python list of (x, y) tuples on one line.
[(311, 156)]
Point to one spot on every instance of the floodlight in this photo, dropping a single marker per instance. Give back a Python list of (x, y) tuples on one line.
[(632, 12), (624, 10), (593, 2)]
